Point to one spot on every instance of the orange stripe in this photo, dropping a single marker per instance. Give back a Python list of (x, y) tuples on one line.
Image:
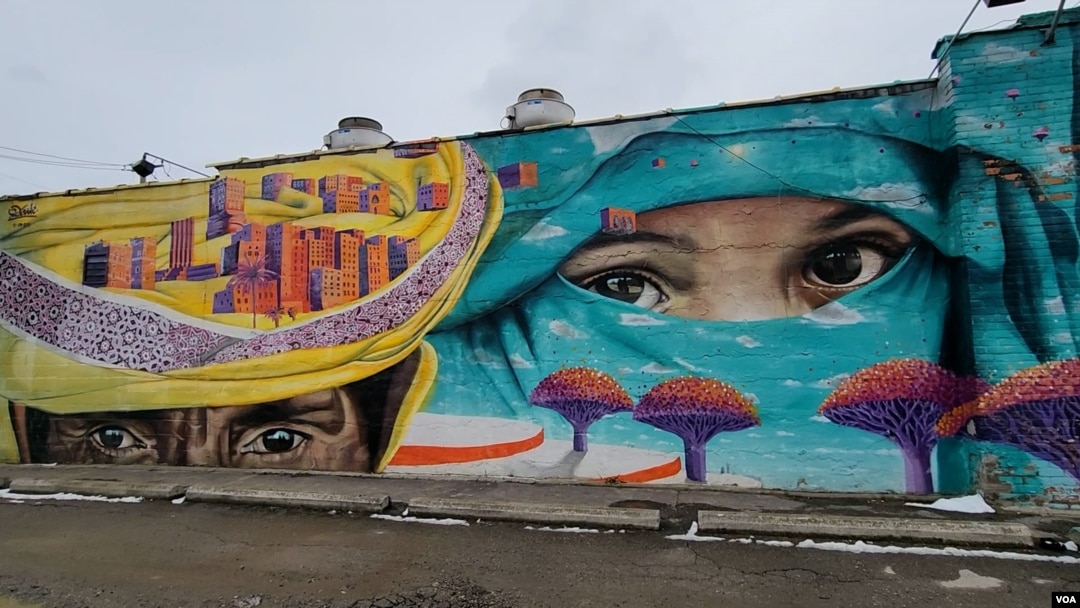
[(660, 471), (418, 455)]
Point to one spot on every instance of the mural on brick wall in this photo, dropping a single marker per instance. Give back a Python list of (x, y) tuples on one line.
[(867, 290)]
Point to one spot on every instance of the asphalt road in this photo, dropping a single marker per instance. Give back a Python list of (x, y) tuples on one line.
[(159, 554)]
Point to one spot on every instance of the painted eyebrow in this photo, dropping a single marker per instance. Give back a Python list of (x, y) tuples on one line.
[(603, 241), (848, 215)]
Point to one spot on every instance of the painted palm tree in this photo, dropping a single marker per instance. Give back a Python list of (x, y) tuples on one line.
[(252, 274), (274, 314)]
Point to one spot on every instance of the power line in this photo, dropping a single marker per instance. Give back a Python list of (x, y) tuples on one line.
[(52, 163), (941, 56), (67, 158), (19, 179)]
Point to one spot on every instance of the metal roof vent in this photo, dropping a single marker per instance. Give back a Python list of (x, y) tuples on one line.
[(536, 107), (356, 131)]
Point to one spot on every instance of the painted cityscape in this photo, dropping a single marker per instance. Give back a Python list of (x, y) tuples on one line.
[(279, 269)]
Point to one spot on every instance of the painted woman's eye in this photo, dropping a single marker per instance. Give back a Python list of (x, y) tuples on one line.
[(276, 441), (628, 287), (846, 265), (115, 438)]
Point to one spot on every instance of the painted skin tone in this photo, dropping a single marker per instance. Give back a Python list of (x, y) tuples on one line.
[(743, 259), (323, 430)]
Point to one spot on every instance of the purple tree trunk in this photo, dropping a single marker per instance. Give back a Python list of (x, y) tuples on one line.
[(695, 461), (917, 476), (581, 437)]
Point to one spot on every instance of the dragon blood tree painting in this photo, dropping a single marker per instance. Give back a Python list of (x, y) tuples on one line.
[(582, 396), (696, 410), (1036, 410), (902, 400)]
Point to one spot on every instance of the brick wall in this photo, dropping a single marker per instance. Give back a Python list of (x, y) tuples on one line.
[(1010, 99)]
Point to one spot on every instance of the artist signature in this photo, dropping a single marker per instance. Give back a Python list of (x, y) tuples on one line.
[(20, 211)]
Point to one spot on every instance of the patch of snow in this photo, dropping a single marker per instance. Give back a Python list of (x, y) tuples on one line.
[(571, 530), (1071, 546), (179, 501), (9, 495), (970, 580), (863, 547), (962, 504), (421, 520), (692, 535), (889, 570)]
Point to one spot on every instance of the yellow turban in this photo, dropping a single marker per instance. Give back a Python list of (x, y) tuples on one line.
[(70, 345)]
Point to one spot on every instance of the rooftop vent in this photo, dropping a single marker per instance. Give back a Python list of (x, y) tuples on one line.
[(356, 131), (536, 107)]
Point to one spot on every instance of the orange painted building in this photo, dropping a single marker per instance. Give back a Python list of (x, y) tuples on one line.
[(119, 266), (294, 276), (347, 260), (331, 183), (265, 299), (376, 199), (376, 264)]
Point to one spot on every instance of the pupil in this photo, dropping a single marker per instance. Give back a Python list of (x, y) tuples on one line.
[(111, 438), (279, 440), (839, 266), (626, 288)]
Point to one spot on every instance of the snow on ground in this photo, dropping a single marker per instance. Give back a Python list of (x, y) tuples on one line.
[(971, 580), (571, 530), (962, 504), (179, 501), (12, 496), (554, 459), (865, 547), (421, 520)]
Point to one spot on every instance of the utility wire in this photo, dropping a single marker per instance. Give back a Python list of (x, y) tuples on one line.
[(67, 158), (56, 163), (27, 182), (789, 185), (941, 56)]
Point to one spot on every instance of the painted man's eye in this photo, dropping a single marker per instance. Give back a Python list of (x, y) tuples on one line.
[(115, 438), (276, 441), (628, 287), (846, 265)]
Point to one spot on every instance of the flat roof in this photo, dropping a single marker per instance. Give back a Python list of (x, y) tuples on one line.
[(898, 87)]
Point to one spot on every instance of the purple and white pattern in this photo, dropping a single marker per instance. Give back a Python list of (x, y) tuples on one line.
[(136, 338)]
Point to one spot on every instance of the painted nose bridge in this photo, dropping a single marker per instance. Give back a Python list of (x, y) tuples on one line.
[(748, 283)]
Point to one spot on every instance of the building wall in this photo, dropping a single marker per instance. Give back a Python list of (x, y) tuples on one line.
[(864, 290)]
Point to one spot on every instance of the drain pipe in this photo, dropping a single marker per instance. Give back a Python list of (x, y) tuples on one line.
[(1053, 26)]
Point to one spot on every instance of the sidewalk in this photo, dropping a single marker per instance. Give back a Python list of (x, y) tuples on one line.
[(673, 508)]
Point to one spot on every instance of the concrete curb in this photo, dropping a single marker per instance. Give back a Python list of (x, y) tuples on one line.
[(277, 498), (867, 528), (644, 519), (4, 482), (97, 487)]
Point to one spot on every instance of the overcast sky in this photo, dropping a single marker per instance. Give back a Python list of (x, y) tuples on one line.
[(200, 81)]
